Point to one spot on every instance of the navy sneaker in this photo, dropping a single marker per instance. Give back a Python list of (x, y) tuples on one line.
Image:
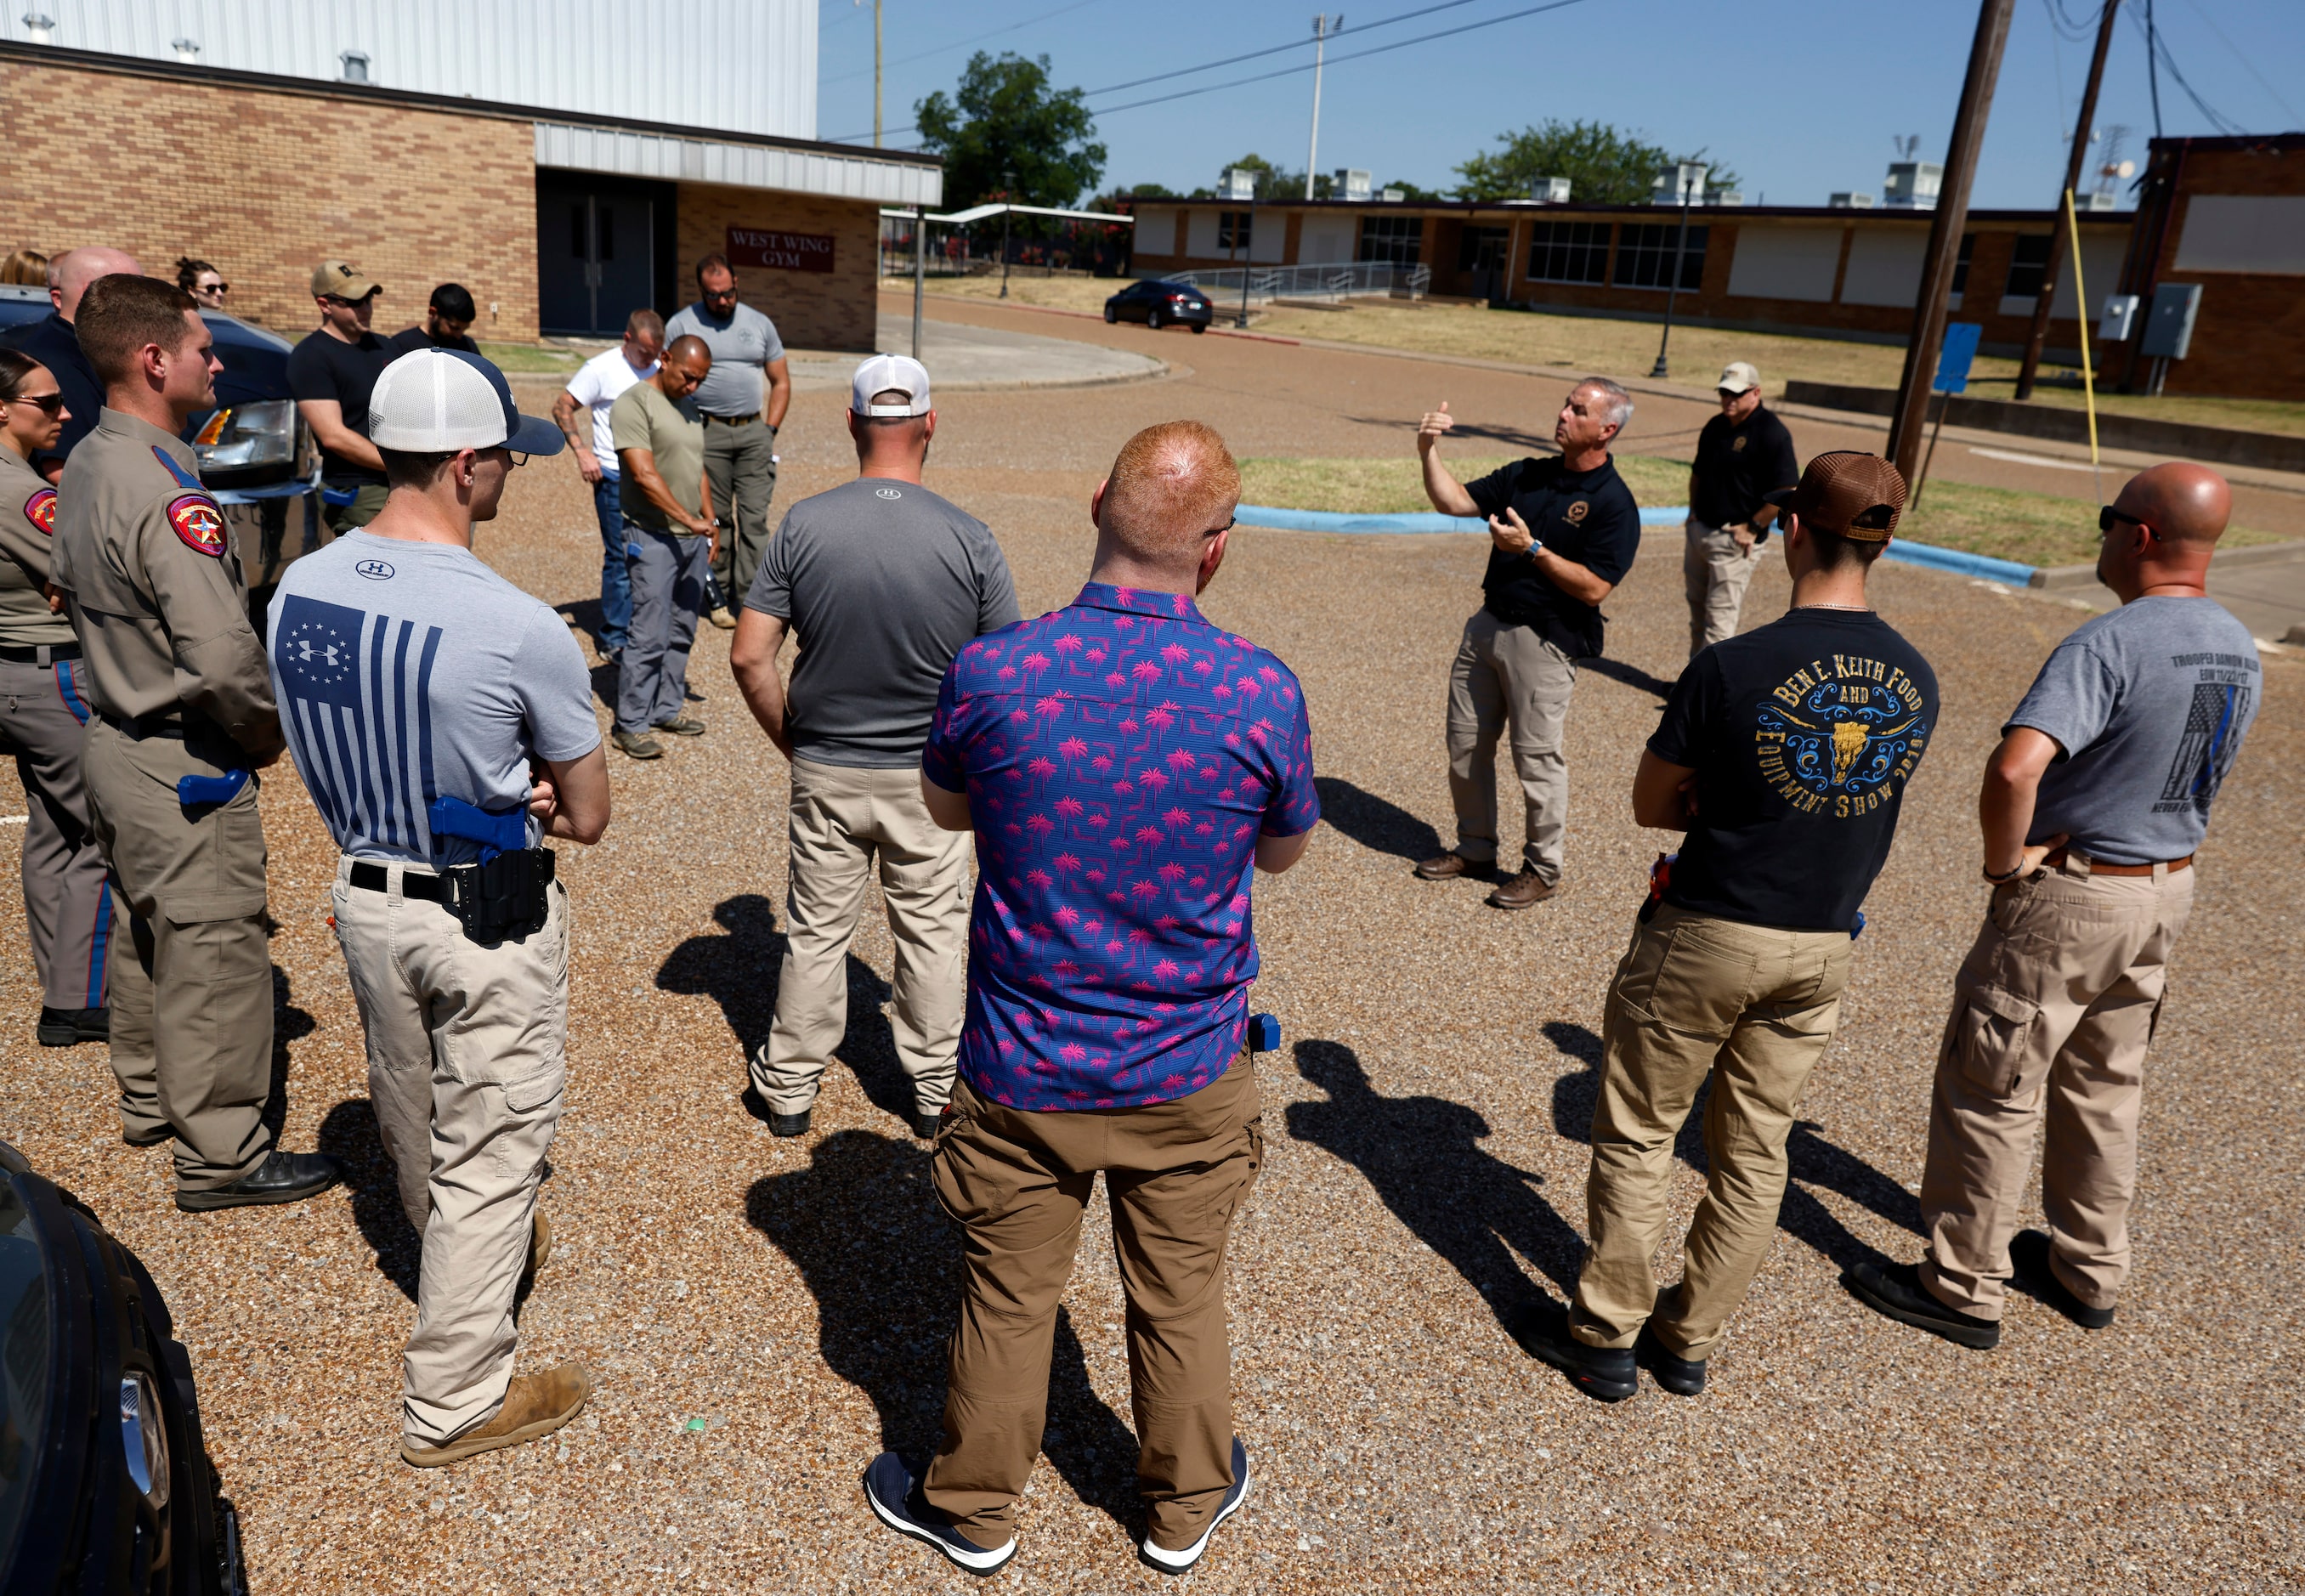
[(895, 1495), (1181, 1560)]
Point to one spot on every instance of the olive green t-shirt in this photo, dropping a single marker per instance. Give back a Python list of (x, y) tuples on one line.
[(642, 418)]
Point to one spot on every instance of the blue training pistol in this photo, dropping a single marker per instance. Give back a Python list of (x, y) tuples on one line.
[(507, 833), (1263, 1033), (194, 790)]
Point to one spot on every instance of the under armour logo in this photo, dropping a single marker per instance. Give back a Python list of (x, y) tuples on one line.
[(374, 570), (889, 492)]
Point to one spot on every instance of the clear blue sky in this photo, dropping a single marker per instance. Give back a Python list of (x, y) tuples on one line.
[(1799, 96)]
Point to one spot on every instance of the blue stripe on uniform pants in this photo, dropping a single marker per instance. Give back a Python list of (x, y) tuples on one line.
[(616, 583), (100, 946)]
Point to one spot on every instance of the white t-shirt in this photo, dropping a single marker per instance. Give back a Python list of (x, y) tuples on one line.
[(597, 386)]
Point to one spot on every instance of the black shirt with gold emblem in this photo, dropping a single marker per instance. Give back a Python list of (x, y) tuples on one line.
[(1803, 734), (1736, 463), (1587, 517)]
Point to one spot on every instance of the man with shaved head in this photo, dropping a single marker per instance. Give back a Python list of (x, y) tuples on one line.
[(53, 342), (2093, 806), (1125, 765)]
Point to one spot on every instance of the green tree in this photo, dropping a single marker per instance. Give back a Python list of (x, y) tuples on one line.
[(1414, 191), (1272, 182), (1605, 165), (1005, 132)]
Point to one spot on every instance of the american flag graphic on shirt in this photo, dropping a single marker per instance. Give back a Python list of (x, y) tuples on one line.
[(356, 703)]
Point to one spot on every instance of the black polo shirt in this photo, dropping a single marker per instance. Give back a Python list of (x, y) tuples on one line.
[(53, 342), (1737, 463), (325, 367), (1587, 517)]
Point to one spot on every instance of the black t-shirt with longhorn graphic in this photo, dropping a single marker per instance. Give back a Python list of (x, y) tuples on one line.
[(1804, 734)]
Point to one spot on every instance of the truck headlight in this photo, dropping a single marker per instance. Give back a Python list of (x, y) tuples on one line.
[(144, 1438), (239, 436)]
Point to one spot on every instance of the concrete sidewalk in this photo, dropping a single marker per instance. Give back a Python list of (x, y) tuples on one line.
[(961, 358)]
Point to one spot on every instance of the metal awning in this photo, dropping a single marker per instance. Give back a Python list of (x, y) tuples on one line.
[(832, 171), (977, 213)]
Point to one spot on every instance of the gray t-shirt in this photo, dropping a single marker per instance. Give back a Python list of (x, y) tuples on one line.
[(883, 582), (407, 672), (2149, 704), (741, 345)]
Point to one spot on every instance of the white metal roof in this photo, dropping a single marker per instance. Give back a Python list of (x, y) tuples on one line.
[(677, 157)]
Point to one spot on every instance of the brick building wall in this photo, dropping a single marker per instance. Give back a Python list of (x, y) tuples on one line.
[(268, 185), (835, 310)]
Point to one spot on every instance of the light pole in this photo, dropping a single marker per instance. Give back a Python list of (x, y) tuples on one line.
[(1324, 27), (1689, 177), (1248, 263), (1008, 203)]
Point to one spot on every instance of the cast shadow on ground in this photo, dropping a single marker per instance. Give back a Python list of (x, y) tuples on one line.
[(1631, 675), (738, 970), (348, 1135), (862, 1226), (1377, 824), (1814, 1161), (289, 1023), (583, 614), (1422, 1154)]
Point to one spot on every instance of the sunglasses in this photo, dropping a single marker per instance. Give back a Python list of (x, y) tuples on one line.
[(50, 403), (2108, 518), (214, 288)]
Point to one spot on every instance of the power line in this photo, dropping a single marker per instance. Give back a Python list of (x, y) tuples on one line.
[(1186, 72), (2246, 65), (961, 44), (2159, 50)]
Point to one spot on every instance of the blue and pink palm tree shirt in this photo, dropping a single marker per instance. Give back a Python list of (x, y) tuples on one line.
[(1120, 757)]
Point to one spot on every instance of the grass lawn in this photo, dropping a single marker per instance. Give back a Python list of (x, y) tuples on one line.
[(1629, 348), (532, 357), (2033, 529)]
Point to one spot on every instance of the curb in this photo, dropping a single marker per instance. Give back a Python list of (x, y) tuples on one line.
[(2057, 578), (1960, 563), (1330, 521)]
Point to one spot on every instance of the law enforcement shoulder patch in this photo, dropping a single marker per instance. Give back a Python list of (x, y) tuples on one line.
[(199, 523), (40, 510)]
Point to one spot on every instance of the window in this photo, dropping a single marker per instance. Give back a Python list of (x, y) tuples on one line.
[(2029, 265), (1233, 230), (1397, 240), (1960, 267), (1483, 249), (1645, 255), (1569, 252)]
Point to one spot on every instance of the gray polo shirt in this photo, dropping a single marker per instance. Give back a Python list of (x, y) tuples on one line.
[(883, 582), (741, 344)]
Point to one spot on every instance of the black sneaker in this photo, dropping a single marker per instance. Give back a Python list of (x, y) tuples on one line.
[(2029, 1251), (1683, 1377), (1604, 1373), (1895, 1290), (893, 1495), (925, 1122), (789, 1125), (68, 1027), (1182, 1559), (282, 1177)]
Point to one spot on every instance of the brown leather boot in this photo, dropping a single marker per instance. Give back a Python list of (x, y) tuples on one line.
[(534, 1406), (1523, 890), (1449, 866)]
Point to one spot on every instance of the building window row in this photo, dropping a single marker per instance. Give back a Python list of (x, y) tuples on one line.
[(1395, 241)]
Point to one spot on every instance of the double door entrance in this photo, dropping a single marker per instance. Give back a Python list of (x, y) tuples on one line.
[(596, 252)]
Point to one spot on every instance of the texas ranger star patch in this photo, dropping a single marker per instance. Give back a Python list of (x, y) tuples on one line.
[(40, 510), (199, 523)]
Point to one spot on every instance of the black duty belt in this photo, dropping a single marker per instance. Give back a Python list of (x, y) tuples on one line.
[(506, 896), (375, 878), (744, 419), (40, 654), (160, 723)]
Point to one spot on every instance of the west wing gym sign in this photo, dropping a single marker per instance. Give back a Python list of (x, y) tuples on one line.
[(787, 252)]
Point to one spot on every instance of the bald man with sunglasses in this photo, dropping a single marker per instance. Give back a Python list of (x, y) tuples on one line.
[(2093, 806)]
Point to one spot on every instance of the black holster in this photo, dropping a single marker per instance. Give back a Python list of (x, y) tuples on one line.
[(510, 895)]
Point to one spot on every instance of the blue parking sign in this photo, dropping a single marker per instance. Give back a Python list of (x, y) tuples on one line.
[(1954, 359)]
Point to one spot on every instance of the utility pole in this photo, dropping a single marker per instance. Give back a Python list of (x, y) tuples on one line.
[(1945, 226), (876, 72), (1689, 178), (920, 269), (2060, 240), (1324, 27), (1008, 210)]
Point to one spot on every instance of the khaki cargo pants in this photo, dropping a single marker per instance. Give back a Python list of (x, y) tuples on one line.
[(467, 1055), (1016, 1184), (192, 978), (1716, 572), (1753, 1008), (842, 820), (2052, 1014), (1508, 677)]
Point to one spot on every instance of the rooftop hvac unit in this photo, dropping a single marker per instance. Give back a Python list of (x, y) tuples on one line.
[(1670, 183), (1912, 185), (1725, 197), (1549, 190), (1239, 183), (1392, 195), (2098, 200), (1350, 184), (1849, 201)]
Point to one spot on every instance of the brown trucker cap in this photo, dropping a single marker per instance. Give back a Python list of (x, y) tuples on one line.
[(1857, 496)]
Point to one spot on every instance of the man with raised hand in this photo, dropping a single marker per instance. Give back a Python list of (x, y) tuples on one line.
[(2093, 806), (1124, 765), (1563, 532)]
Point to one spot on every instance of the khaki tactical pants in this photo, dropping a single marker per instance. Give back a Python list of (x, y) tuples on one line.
[(1694, 994), (841, 818), (1716, 572), (2052, 1014), (741, 465), (1016, 1184), (1509, 676), (467, 1054), (67, 898), (192, 981)]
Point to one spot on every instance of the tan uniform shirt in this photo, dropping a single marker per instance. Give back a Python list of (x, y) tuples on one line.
[(28, 518), (156, 599)]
